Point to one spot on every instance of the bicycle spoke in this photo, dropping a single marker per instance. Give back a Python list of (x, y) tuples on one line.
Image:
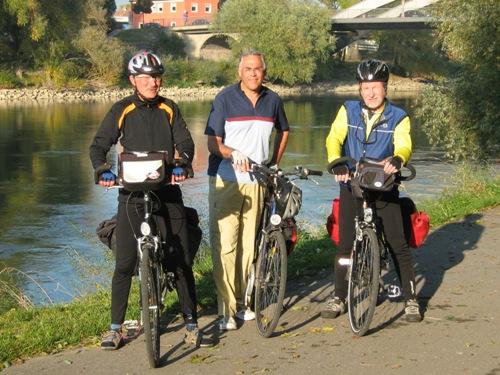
[(363, 282), (270, 283)]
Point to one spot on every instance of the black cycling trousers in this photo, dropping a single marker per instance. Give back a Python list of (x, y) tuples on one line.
[(389, 211), (129, 218)]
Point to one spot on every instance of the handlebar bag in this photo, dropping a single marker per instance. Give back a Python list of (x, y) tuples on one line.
[(333, 222), (143, 171), (416, 223), (371, 176)]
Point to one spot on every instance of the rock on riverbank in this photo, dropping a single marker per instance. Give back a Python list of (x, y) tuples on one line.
[(194, 93)]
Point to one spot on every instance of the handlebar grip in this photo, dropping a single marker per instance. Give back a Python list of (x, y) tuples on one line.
[(340, 161), (312, 172), (412, 175)]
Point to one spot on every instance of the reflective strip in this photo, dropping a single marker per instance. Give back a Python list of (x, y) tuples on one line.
[(127, 109), (344, 261), (170, 112)]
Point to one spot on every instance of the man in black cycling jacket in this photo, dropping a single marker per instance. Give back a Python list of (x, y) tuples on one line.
[(375, 128), (146, 121)]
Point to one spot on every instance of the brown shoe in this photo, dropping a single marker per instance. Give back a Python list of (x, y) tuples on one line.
[(111, 340)]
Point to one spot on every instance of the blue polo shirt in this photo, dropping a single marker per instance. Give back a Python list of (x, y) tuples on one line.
[(243, 128)]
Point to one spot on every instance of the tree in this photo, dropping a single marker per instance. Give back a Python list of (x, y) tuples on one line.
[(461, 114), (110, 7), (410, 52), (293, 34), (142, 6), (40, 31), (105, 54)]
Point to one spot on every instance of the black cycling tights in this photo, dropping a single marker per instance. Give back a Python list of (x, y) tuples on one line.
[(389, 211), (129, 218)]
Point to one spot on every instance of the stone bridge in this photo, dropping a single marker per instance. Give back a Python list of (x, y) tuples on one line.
[(201, 42)]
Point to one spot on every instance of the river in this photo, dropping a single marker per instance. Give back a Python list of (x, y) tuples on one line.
[(49, 205)]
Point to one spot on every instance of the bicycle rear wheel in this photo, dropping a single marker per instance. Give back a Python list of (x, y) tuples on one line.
[(151, 305), (363, 281), (270, 283)]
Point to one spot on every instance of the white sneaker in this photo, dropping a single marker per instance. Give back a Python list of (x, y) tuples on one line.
[(227, 324), (245, 315)]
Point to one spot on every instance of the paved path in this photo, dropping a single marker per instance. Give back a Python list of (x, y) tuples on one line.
[(458, 281)]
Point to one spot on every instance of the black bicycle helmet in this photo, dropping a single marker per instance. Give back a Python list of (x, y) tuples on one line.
[(145, 62), (372, 71)]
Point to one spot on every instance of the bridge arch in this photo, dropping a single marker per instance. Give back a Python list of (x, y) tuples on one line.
[(216, 47)]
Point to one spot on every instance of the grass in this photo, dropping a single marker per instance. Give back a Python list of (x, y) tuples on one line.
[(25, 332)]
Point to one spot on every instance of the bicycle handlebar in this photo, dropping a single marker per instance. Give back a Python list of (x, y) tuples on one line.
[(299, 171), (346, 161)]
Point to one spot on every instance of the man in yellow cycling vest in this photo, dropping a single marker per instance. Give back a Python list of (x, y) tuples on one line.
[(375, 128)]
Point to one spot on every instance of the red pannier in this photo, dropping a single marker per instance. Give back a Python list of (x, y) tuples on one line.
[(416, 223), (333, 222)]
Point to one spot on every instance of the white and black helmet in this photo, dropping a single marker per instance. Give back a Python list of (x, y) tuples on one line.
[(145, 62), (372, 71)]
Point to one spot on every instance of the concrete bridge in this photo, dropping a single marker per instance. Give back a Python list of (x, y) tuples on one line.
[(201, 42), (348, 25)]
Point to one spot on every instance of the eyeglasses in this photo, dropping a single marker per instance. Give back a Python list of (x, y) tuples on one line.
[(145, 77)]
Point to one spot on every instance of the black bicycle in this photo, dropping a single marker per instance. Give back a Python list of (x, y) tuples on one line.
[(154, 279), (276, 236), (370, 254)]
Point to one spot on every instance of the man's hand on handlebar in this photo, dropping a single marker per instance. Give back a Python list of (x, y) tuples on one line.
[(107, 179), (178, 175), (240, 161), (392, 165), (341, 173)]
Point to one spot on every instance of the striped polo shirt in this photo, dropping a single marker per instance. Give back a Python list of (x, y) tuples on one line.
[(243, 128)]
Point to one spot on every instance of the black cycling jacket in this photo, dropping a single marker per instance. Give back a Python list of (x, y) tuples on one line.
[(142, 126)]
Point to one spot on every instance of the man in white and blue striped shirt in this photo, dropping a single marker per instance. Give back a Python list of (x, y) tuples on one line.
[(239, 130)]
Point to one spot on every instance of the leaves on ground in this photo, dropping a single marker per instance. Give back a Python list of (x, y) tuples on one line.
[(324, 329), (199, 358)]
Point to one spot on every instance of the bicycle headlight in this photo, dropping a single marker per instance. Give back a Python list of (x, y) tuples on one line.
[(275, 219), (145, 229)]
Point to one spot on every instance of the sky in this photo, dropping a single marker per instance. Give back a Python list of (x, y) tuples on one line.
[(121, 2)]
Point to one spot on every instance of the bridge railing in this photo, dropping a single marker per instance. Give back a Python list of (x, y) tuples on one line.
[(384, 12)]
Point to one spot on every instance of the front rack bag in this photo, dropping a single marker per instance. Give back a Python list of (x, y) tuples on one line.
[(143, 171)]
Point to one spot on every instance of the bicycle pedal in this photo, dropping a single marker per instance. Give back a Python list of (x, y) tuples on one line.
[(131, 328), (393, 291)]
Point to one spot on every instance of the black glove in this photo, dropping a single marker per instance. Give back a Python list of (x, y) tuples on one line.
[(340, 170), (396, 162)]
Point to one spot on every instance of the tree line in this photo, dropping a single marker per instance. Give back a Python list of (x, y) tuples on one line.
[(67, 41)]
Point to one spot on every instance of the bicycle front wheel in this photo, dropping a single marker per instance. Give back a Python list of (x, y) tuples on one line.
[(151, 305), (270, 283), (363, 281)]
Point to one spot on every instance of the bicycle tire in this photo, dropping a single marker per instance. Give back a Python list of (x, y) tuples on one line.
[(363, 282), (270, 283), (151, 306)]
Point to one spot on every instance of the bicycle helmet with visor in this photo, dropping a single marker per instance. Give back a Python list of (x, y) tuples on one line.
[(372, 71), (145, 62)]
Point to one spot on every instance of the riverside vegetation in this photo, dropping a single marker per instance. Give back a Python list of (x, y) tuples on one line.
[(27, 331)]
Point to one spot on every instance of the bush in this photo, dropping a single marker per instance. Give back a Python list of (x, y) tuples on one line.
[(9, 80), (184, 73)]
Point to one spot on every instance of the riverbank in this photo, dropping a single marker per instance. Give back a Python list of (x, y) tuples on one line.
[(396, 85)]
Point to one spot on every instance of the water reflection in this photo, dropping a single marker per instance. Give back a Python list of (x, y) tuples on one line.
[(49, 205)]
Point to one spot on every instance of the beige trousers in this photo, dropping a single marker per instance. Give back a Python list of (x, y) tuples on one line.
[(234, 214)]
